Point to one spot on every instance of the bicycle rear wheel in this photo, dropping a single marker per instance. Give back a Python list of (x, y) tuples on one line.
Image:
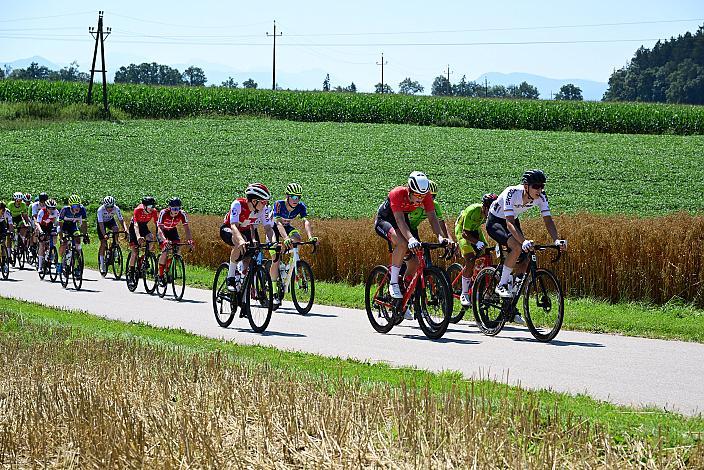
[(131, 277), (21, 255), (77, 269), (149, 272), (224, 301), (544, 306), (303, 288), (5, 267), (178, 277), (377, 301), (117, 263), (433, 308), (486, 303), (65, 269), (259, 296), (454, 274)]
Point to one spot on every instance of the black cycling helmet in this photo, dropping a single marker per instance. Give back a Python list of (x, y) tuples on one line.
[(489, 198), (43, 197), (533, 177), (148, 201), (175, 202)]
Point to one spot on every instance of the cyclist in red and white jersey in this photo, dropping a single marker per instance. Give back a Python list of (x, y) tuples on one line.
[(503, 225), (44, 224), (167, 223), (240, 226), (392, 224), (139, 226)]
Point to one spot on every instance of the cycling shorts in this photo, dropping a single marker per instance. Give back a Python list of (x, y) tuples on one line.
[(498, 230), (110, 225)]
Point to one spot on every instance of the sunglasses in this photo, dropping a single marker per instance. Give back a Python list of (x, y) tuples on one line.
[(537, 186), (150, 206), (295, 198), (175, 208), (75, 206)]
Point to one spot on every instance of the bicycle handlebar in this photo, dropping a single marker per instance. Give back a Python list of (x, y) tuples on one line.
[(549, 247), (315, 245)]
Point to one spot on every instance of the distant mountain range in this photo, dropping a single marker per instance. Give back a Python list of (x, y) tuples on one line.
[(313, 78)]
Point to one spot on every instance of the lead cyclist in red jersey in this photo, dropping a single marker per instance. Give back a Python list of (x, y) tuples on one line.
[(167, 224), (392, 224)]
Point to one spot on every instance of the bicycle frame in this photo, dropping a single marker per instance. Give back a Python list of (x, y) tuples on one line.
[(410, 289), (293, 264)]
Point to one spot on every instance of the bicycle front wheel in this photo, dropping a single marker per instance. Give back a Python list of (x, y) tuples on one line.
[(433, 308), (378, 301), (486, 303), (178, 277), (131, 277), (5, 264), (65, 269), (259, 296), (21, 256), (52, 264), (149, 272), (224, 303), (303, 288), (454, 275), (544, 306), (77, 269), (117, 264)]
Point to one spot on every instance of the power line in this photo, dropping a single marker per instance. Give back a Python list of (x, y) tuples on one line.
[(188, 25), (31, 18)]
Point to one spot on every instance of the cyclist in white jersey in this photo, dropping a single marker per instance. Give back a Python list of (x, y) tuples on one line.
[(503, 225), (37, 205), (106, 222)]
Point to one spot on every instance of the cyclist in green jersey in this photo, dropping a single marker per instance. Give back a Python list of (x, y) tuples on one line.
[(468, 230), (417, 216), (18, 211)]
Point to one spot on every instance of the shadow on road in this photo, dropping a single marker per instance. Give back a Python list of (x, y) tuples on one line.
[(270, 333), (293, 311), (9, 279), (444, 339), (90, 291), (557, 342)]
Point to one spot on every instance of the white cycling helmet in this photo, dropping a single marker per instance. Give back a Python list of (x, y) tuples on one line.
[(418, 182), (18, 196), (109, 201), (258, 191)]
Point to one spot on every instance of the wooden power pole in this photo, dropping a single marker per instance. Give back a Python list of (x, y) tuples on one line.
[(99, 34), (273, 67), (382, 63)]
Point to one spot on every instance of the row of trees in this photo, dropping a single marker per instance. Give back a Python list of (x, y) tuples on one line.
[(37, 72), (672, 72)]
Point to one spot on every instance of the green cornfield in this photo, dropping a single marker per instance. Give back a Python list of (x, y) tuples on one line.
[(175, 102)]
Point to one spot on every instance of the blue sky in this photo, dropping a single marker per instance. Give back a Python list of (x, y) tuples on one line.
[(232, 34)]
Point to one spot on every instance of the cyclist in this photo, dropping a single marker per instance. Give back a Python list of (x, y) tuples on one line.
[(503, 226), (240, 224), (142, 215), (471, 240), (418, 215), (285, 210), (106, 222), (391, 223), (168, 220), (73, 222), (18, 211), (38, 204), (6, 227), (44, 224)]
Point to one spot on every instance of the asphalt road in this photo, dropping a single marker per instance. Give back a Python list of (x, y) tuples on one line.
[(624, 370)]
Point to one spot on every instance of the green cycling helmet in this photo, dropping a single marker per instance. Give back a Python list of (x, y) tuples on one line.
[(74, 199), (433, 187), (294, 189)]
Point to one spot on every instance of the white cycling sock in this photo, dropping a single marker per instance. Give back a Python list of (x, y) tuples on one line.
[(232, 269), (465, 284), (101, 260), (505, 276), (395, 270), (41, 262)]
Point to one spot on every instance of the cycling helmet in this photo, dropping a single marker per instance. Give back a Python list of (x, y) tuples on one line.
[(294, 189), (148, 201), (489, 198), (109, 201), (18, 196), (27, 197), (43, 197), (418, 182), (433, 187), (257, 191), (74, 199), (175, 202), (533, 177), (51, 204)]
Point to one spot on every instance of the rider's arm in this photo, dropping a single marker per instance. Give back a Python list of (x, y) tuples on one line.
[(84, 227), (309, 228), (435, 223), (550, 225)]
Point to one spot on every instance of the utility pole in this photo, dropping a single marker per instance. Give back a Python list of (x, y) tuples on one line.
[(449, 85), (99, 36), (448, 73), (486, 88), (382, 63), (273, 67)]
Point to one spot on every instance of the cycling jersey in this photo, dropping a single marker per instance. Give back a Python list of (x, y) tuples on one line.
[(6, 218), (243, 217), (471, 220), (399, 201), (510, 203), (105, 215), (283, 215), (419, 215), (67, 215), (34, 209), (141, 216), (168, 222), (47, 217)]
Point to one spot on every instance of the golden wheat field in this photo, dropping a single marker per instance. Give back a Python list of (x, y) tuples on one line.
[(610, 257), (70, 401)]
